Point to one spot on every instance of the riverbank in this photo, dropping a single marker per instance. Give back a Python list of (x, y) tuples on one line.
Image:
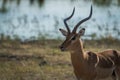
[(42, 59)]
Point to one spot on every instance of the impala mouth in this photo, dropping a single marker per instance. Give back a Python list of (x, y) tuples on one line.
[(62, 48)]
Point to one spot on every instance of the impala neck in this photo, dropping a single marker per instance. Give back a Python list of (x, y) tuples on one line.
[(77, 57), (78, 51), (78, 47)]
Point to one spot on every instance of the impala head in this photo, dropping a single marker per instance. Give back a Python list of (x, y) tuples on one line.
[(72, 37)]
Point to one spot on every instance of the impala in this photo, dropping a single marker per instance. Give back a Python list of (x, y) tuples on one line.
[(89, 65)]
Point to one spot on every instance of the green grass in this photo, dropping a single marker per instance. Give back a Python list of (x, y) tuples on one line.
[(42, 60)]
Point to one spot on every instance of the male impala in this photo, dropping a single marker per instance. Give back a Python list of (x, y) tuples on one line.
[(89, 65)]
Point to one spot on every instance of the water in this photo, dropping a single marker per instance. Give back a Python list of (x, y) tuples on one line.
[(39, 20)]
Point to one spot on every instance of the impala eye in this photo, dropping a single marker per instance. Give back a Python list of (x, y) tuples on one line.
[(73, 38)]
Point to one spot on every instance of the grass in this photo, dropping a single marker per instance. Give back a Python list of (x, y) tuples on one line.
[(42, 60)]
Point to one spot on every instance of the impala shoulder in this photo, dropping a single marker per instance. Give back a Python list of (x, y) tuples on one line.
[(91, 57)]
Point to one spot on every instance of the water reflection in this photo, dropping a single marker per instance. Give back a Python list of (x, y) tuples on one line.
[(32, 2), (119, 2), (41, 2), (3, 8), (5, 3), (18, 2), (34, 19)]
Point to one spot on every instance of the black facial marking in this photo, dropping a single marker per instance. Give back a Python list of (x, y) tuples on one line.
[(73, 38)]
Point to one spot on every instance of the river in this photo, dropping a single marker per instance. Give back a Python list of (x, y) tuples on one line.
[(37, 21)]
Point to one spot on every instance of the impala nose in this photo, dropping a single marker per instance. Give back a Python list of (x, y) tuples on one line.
[(62, 48)]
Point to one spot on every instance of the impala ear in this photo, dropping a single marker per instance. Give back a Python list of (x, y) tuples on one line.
[(63, 32), (81, 32)]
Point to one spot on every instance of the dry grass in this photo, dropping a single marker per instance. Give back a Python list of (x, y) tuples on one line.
[(41, 60)]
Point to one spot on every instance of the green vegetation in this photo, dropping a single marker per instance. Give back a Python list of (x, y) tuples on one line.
[(102, 2), (42, 59)]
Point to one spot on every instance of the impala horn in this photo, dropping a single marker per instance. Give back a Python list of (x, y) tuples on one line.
[(75, 28), (66, 19)]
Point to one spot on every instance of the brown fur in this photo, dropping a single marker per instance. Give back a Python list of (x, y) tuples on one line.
[(89, 65), (93, 66)]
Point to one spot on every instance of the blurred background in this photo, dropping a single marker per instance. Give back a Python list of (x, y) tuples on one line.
[(29, 35), (41, 19)]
